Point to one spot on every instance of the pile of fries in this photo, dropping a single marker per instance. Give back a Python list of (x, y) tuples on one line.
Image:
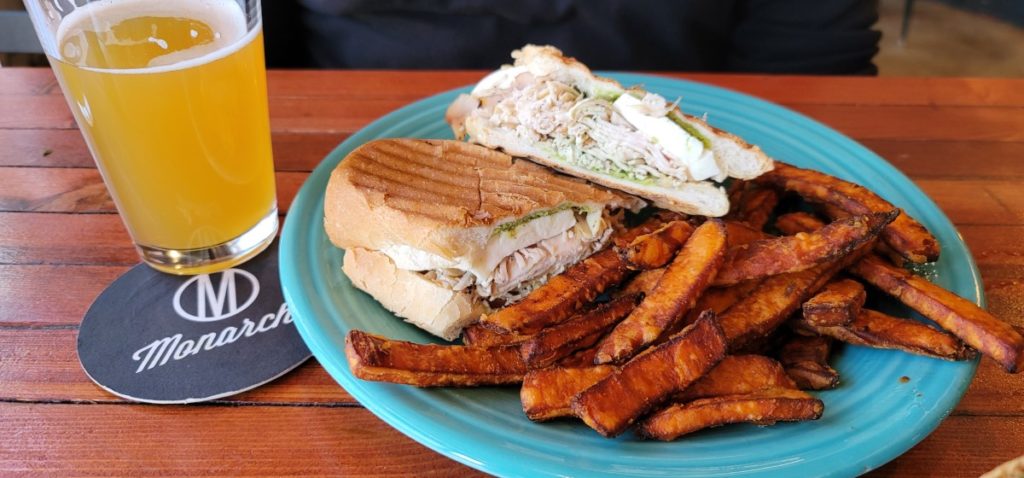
[(690, 323)]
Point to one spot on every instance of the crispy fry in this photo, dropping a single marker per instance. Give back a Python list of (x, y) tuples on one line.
[(880, 247), (878, 330), (684, 280), (623, 238), (642, 283), (561, 297), (547, 393), (768, 306), (838, 304), (739, 234), (802, 251), (372, 357), (905, 234), (806, 362), (565, 294), (480, 336), (613, 403), (735, 375), (796, 222), (582, 331), (762, 408), (654, 250), (753, 205), (579, 359), (715, 299), (979, 329)]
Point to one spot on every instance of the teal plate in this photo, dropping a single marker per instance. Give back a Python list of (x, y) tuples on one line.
[(873, 417)]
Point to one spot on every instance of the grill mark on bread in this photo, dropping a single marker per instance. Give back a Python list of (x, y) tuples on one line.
[(384, 175), (460, 183), (421, 173)]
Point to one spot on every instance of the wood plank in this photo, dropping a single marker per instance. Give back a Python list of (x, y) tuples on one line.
[(62, 439), (28, 81), (42, 365), (66, 440), (29, 299), (796, 89), (65, 148), (41, 238), (303, 151), (81, 190), (975, 202), (961, 446), (953, 159), (852, 90), (347, 115), (921, 123)]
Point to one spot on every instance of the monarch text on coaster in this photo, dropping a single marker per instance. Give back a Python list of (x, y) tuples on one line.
[(160, 338)]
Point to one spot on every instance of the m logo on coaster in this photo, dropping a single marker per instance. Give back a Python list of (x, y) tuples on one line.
[(159, 338), (210, 304)]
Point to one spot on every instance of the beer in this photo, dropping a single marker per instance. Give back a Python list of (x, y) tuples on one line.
[(171, 98)]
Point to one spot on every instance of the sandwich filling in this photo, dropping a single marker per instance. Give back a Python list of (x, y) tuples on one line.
[(520, 254), (630, 134)]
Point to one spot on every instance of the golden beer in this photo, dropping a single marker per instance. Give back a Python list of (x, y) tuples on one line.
[(171, 98)]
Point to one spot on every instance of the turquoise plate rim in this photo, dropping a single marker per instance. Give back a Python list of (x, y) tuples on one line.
[(480, 428)]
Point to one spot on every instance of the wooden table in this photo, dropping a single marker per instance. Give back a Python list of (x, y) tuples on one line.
[(61, 243)]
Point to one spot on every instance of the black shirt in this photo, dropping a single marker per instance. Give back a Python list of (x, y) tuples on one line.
[(780, 36)]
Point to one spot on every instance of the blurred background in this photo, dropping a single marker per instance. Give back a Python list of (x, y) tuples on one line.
[(918, 37)]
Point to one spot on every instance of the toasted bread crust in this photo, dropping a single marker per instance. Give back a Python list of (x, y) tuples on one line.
[(442, 197)]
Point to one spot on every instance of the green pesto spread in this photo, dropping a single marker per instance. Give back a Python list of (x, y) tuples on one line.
[(511, 226), (678, 120)]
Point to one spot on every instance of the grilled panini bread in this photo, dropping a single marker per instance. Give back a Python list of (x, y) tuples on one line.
[(438, 231), (553, 110)]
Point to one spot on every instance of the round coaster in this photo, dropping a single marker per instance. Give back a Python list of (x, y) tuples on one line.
[(159, 338)]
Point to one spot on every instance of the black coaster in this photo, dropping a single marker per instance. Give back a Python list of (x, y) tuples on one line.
[(158, 338)]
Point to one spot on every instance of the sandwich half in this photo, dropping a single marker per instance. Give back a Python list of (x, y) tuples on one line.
[(553, 110), (441, 231)]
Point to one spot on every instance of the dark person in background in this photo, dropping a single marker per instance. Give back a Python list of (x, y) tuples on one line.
[(771, 36)]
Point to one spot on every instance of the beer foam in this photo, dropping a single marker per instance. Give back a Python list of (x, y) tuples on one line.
[(225, 17)]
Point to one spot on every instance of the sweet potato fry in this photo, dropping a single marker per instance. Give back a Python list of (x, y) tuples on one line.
[(585, 329), (654, 250), (642, 283), (561, 297), (579, 359), (771, 303), (615, 402), (677, 291), (972, 324), (905, 234), (565, 294), (806, 362), (480, 336), (762, 408), (715, 299), (740, 233), (881, 247), (735, 375), (878, 330), (376, 358), (753, 205), (547, 393), (793, 223), (801, 251), (838, 304)]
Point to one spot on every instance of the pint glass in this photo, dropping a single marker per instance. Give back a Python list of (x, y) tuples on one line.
[(171, 98)]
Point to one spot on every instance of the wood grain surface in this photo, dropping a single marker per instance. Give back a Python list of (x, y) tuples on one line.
[(61, 243)]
